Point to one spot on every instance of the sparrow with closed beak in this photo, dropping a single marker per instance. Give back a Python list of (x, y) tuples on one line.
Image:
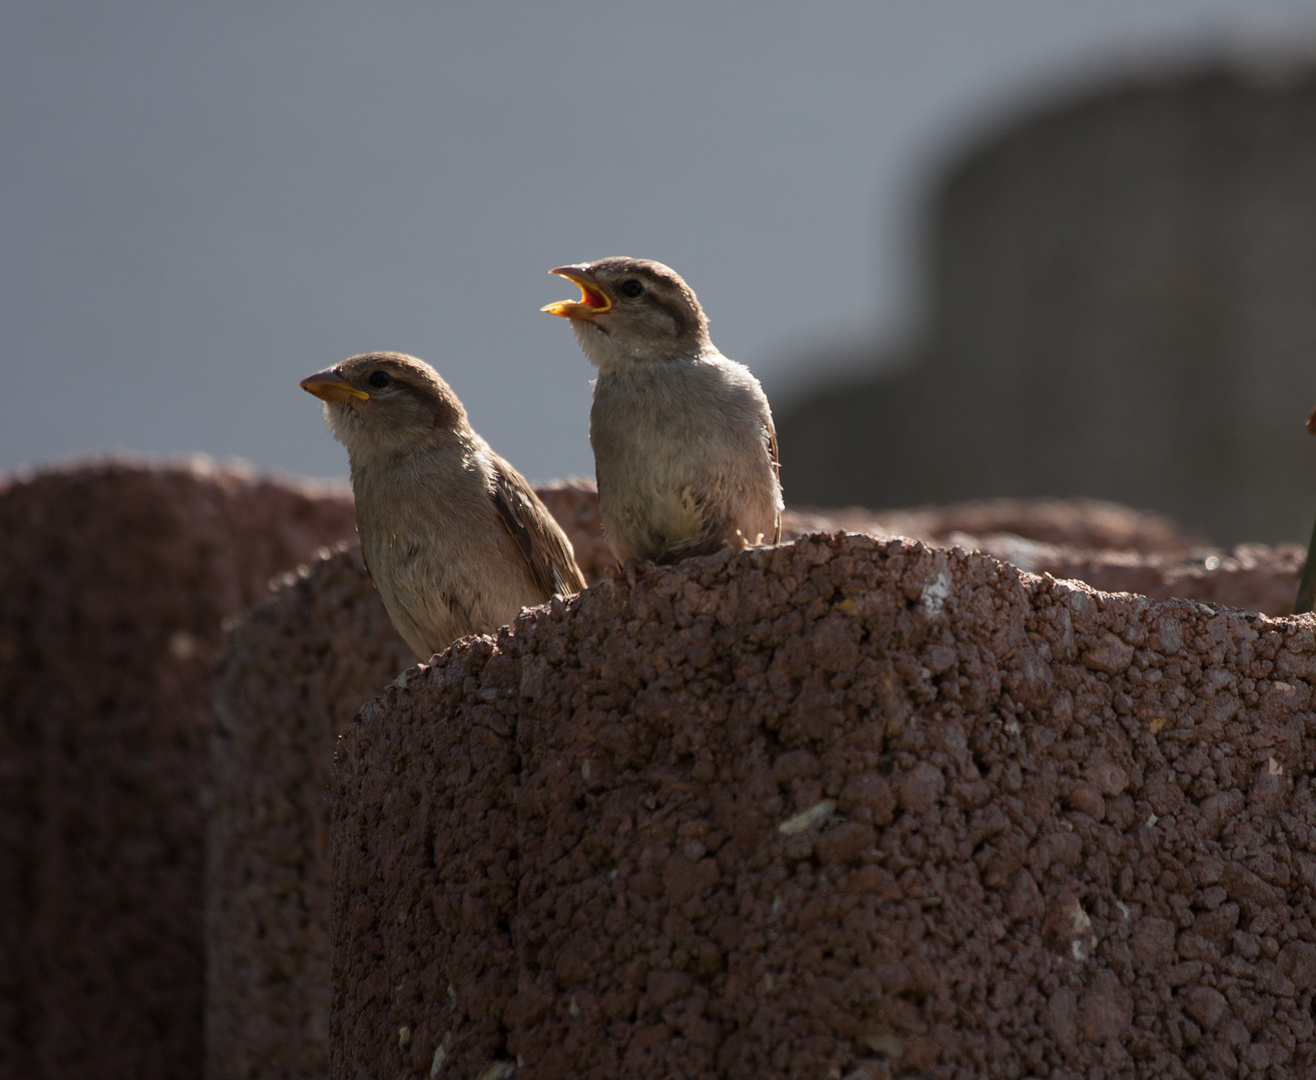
[(684, 447), (453, 537)]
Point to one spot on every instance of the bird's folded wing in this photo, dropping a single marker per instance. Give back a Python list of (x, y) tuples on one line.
[(546, 549), (776, 469)]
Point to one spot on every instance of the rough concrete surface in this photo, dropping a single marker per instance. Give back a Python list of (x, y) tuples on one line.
[(295, 670), (269, 943), (115, 577), (1111, 547), (1075, 524), (1250, 576), (839, 808)]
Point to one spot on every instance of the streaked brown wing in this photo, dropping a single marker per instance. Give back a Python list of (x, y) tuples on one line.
[(545, 547), (776, 469)]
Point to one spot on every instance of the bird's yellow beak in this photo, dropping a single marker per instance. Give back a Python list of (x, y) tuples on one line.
[(592, 300), (329, 386)]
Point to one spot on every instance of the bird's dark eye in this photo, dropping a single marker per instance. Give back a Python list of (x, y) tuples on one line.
[(380, 379), (631, 289)]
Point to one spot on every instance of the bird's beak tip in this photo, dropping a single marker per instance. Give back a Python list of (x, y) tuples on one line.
[(329, 386), (593, 301)]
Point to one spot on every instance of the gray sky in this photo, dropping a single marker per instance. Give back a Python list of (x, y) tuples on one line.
[(203, 203)]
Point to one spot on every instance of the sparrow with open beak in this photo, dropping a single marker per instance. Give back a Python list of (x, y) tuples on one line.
[(454, 538), (684, 447)]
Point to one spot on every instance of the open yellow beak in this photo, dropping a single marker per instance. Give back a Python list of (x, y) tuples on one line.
[(329, 386), (593, 301)]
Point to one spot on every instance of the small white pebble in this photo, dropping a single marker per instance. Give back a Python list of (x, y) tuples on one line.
[(441, 1054), (182, 646), (807, 819), (1082, 921)]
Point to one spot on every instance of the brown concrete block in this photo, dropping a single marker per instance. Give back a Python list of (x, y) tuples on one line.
[(837, 808), (1250, 576), (269, 942), (116, 577), (441, 858), (1078, 524), (1111, 547), (294, 672)]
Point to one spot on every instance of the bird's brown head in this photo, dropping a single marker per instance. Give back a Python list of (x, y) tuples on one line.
[(632, 310), (386, 402)]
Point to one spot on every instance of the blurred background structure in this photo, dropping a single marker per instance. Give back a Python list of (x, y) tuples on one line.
[(1123, 306), (201, 205)]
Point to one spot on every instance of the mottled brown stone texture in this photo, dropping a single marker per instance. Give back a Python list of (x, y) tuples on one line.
[(1079, 524), (833, 809), (115, 578), (295, 671), (269, 898), (269, 941), (439, 860), (1106, 545)]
